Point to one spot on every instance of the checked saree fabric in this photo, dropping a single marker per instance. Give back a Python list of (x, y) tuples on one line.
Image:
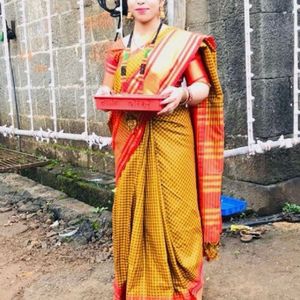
[(166, 214)]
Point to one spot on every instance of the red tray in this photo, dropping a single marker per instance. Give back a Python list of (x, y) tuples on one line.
[(129, 102)]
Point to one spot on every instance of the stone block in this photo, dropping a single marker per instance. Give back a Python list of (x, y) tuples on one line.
[(60, 7), (271, 84), (35, 9), (102, 163), (3, 90), (229, 36), (235, 111), (220, 10), (66, 103), (4, 117), (49, 124), (70, 208), (272, 47), (273, 108), (92, 105), (196, 11), (77, 126), (95, 62), (99, 128), (102, 117), (66, 29), (22, 97), (25, 122), (15, 47), (218, 30), (39, 73), (39, 122), (2, 56), (271, 6), (63, 124), (20, 67), (41, 102), (37, 36), (265, 169), (80, 103), (263, 199), (11, 9), (66, 64), (100, 26)]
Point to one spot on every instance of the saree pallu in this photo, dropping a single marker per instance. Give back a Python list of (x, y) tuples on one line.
[(164, 165)]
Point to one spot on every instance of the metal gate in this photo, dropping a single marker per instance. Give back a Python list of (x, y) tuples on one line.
[(11, 160)]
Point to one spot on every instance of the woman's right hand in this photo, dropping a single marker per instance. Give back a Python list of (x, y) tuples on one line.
[(104, 90)]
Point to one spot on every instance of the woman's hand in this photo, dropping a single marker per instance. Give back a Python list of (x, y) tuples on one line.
[(173, 96), (104, 90)]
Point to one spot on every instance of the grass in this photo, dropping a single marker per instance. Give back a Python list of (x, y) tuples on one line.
[(99, 210), (291, 208)]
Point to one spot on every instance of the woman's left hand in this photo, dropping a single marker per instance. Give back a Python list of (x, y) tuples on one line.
[(173, 96)]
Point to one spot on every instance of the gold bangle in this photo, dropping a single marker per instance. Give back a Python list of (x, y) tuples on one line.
[(187, 93), (191, 98)]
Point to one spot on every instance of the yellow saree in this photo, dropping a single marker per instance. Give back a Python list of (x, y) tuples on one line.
[(159, 232)]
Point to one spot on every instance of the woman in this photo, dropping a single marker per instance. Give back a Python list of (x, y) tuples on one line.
[(166, 214)]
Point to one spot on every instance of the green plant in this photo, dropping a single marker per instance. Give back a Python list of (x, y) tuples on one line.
[(53, 163), (95, 225), (99, 210), (291, 208), (70, 173)]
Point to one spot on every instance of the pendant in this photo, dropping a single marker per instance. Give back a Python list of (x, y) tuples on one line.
[(131, 120)]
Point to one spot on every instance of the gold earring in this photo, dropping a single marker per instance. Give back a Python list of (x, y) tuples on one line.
[(129, 16), (162, 13)]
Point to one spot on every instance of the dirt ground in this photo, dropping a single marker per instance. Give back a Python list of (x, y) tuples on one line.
[(267, 268)]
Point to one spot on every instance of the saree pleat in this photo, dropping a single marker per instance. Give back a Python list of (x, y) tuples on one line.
[(157, 230)]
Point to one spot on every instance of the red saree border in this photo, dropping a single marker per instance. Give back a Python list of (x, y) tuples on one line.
[(191, 293), (184, 59), (132, 143), (194, 42)]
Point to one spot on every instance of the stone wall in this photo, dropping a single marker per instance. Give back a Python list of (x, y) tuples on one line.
[(256, 178), (265, 180), (99, 30), (272, 63), (68, 71)]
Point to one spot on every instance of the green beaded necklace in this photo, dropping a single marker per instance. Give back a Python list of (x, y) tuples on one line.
[(142, 70)]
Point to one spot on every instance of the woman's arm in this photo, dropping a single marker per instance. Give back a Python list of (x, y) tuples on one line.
[(110, 67), (197, 90), (176, 96), (108, 81), (198, 81)]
